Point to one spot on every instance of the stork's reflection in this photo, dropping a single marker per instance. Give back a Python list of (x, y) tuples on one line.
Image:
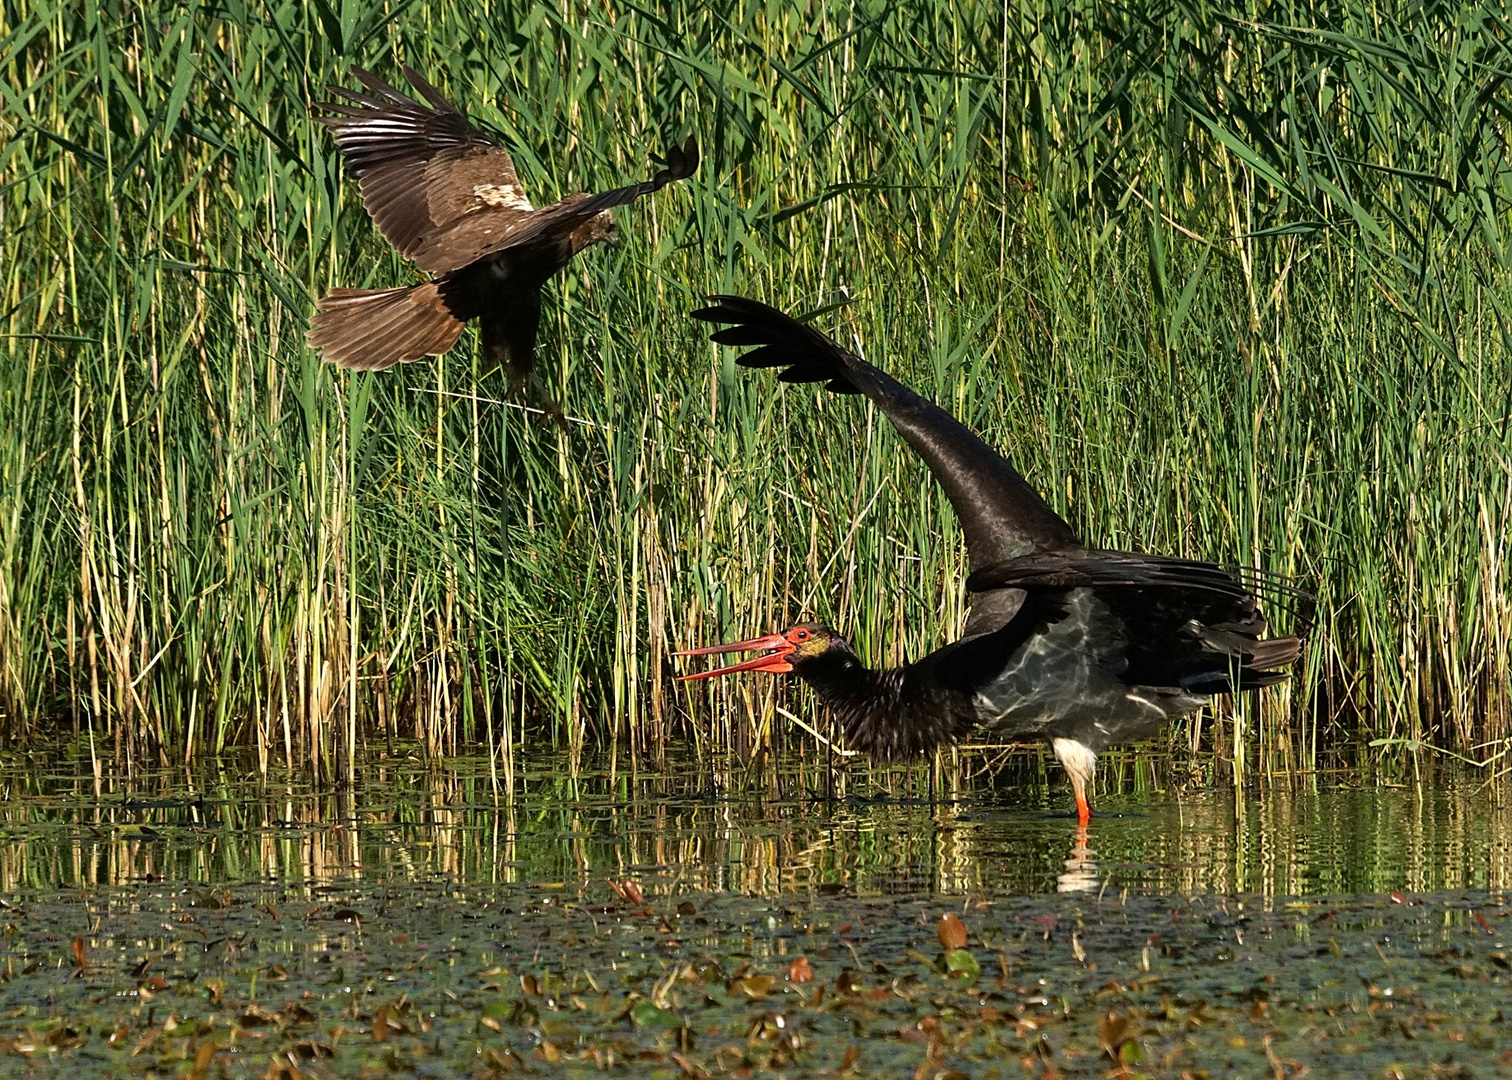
[(1081, 868)]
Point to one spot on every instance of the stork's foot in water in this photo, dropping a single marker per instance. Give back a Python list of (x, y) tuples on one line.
[(1080, 763)]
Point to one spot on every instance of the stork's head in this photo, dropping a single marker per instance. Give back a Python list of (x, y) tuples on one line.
[(789, 651)]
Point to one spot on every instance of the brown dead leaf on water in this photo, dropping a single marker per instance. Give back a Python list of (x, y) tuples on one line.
[(295, 1013), (952, 932), (386, 1023), (203, 1056), (800, 971), (627, 890), (848, 1062), (63, 1038), (256, 1016), (1112, 1032), (80, 954)]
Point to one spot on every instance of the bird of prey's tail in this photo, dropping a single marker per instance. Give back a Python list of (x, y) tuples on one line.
[(373, 329)]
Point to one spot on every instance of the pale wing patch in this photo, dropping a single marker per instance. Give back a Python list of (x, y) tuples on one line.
[(506, 196)]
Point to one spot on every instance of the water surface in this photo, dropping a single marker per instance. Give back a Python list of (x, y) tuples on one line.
[(786, 829), (710, 919)]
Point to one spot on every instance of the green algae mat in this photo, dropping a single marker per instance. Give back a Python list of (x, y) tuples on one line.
[(694, 922)]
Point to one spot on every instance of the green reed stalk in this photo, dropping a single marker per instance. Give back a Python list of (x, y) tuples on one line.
[(1229, 284)]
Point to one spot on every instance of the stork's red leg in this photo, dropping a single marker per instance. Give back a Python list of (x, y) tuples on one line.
[(1083, 807)]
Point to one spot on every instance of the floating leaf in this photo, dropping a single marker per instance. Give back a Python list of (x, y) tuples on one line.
[(960, 964), (753, 986), (256, 1016), (799, 971), (952, 933), (1112, 1032), (646, 1013), (203, 1055), (60, 1038)]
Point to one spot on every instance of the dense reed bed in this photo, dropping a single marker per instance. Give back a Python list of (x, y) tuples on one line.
[(1226, 283)]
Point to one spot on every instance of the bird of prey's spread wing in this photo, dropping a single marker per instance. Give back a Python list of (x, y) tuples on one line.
[(422, 171), (442, 192), (448, 198)]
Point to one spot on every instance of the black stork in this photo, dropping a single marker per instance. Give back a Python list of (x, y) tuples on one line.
[(1082, 647)]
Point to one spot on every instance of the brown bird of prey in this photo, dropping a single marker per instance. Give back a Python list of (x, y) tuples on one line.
[(447, 197)]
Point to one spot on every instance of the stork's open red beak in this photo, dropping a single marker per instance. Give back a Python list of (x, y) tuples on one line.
[(775, 662)]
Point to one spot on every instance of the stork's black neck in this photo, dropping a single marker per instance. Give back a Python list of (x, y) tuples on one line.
[(890, 713)]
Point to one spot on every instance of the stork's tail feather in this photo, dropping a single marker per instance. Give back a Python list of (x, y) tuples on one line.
[(1274, 652), (373, 329), (1253, 663)]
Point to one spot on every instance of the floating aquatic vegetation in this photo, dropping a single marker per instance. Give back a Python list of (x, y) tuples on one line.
[(442, 980)]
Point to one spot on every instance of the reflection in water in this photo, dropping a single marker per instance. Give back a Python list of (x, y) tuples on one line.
[(1081, 869), (787, 829)]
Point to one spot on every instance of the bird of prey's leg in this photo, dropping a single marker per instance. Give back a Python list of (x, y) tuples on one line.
[(550, 407), (519, 380)]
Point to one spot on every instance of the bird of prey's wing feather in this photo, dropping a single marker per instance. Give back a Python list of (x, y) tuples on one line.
[(1000, 514), (477, 232), (422, 169)]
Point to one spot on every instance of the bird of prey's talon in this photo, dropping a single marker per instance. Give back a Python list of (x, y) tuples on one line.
[(547, 403)]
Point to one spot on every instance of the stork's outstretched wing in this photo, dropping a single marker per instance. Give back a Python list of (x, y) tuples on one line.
[(1002, 516)]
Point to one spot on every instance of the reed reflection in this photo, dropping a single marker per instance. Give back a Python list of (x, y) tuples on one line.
[(782, 831)]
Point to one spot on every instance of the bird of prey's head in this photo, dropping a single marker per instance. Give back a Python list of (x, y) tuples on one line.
[(600, 228)]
